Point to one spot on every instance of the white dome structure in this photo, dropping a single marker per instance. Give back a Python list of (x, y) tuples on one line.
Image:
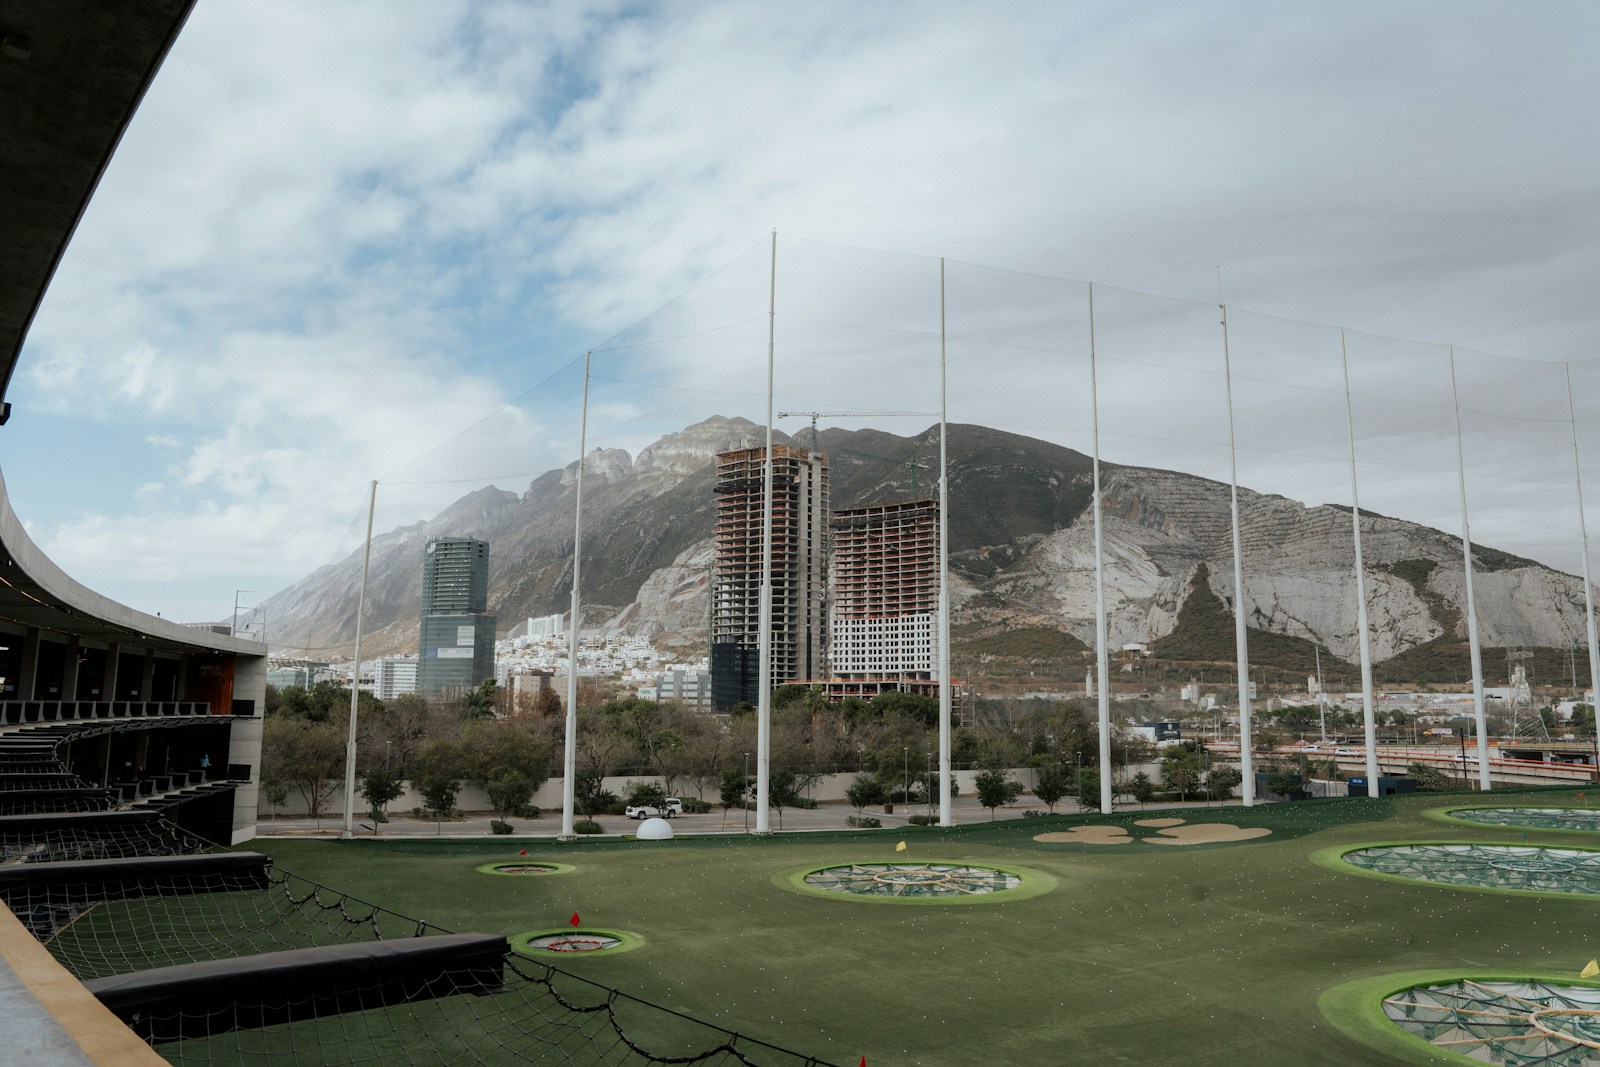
[(654, 830)]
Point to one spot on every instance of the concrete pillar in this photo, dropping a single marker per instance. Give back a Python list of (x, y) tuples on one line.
[(147, 680), (28, 671), (108, 683), (69, 668)]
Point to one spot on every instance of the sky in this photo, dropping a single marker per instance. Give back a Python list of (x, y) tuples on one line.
[(373, 241)]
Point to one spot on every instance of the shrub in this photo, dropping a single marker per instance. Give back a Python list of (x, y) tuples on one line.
[(587, 826), (863, 822), (499, 826), (1033, 814), (695, 806), (925, 820)]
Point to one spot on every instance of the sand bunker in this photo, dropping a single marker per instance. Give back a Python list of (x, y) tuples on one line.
[(1206, 833), (1087, 835), (1159, 822)]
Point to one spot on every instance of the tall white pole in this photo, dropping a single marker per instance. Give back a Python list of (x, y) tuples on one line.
[(569, 760), (1583, 528), (1476, 653), (945, 701), (1102, 655), (1369, 721), (349, 829), (1247, 769), (764, 698)]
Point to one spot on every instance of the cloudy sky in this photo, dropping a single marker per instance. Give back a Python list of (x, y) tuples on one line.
[(355, 241)]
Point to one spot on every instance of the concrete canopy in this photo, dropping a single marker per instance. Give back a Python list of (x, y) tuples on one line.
[(72, 73)]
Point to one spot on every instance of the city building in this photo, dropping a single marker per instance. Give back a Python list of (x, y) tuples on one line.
[(545, 626), (690, 688), (392, 676), (799, 571), (457, 637), (886, 593)]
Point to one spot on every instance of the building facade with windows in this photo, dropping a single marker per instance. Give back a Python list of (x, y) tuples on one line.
[(799, 571), (457, 634), (886, 592)]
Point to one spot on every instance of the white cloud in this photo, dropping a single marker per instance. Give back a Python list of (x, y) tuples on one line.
[(336, 237)]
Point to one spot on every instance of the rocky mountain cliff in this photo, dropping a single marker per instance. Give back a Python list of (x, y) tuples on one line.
[(1021, 550)]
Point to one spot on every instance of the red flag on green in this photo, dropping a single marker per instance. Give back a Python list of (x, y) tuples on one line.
[(863, 1061), (574, 920), (524, 852)]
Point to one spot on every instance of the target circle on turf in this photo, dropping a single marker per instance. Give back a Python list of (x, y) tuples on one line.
[(523, 868), (904, 881), (567, 941)]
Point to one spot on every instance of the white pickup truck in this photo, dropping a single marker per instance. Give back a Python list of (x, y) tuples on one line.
[(671, 807)]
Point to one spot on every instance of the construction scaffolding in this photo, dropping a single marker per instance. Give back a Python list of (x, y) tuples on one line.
[(799, 571)]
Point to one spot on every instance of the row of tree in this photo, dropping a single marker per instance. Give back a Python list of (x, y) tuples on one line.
[(510, 751)]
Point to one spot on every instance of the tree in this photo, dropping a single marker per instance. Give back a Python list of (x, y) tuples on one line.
[(1181, 769), (995, 788), (479, 703), (274, 794), (439, 794), (1088, 788), (589, 793), (307, 755), (1142, 788), (735, 789), (1283, 783), (378, 786), (1222, 781), (1050, 784), (506, 759), (863, 792), (1428, 778), (640, 794)]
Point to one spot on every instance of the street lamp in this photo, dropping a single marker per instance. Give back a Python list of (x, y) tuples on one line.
[(744, 794), (930, 786), (905, 772)]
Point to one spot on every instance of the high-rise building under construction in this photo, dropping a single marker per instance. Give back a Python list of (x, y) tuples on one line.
[(885, 596), (799, 571)]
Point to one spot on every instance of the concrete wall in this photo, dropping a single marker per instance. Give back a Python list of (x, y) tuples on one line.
[(548, 797)]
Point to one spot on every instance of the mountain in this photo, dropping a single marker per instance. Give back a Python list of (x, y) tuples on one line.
[(1022, 555)]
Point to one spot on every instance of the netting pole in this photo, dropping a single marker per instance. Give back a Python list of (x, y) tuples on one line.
[(1583, 530), (569, 759), (945, 709), (1247, 791), (1478, 716), (349, 829), (1369, 721), (764, 669), (1102, 656)]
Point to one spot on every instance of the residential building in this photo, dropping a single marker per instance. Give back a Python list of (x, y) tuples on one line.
[(886, 592), (799, 571)]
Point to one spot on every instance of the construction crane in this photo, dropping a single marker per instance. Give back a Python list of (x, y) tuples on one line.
[(815, 415)]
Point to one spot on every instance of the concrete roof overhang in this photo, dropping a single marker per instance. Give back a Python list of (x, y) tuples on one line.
[(72, 73)]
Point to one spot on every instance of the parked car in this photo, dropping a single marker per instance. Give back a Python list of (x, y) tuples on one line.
[(673, 805), (1345, 752), (648, 811)]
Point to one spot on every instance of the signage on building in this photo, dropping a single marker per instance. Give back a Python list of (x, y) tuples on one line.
[(453, 653), (465, 635)]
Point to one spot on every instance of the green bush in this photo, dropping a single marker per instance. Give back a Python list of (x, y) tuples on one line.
[(925, 820), (695, 806), (498, 826), (863, 822), (587, 826)]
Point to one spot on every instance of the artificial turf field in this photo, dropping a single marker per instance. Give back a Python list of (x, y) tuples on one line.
[(1146, 954)]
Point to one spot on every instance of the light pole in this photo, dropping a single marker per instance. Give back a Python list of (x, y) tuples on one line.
[(930, 785), (905, 772), (744, 795)]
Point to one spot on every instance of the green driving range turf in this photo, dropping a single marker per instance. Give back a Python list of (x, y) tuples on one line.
[(1139, 953)]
